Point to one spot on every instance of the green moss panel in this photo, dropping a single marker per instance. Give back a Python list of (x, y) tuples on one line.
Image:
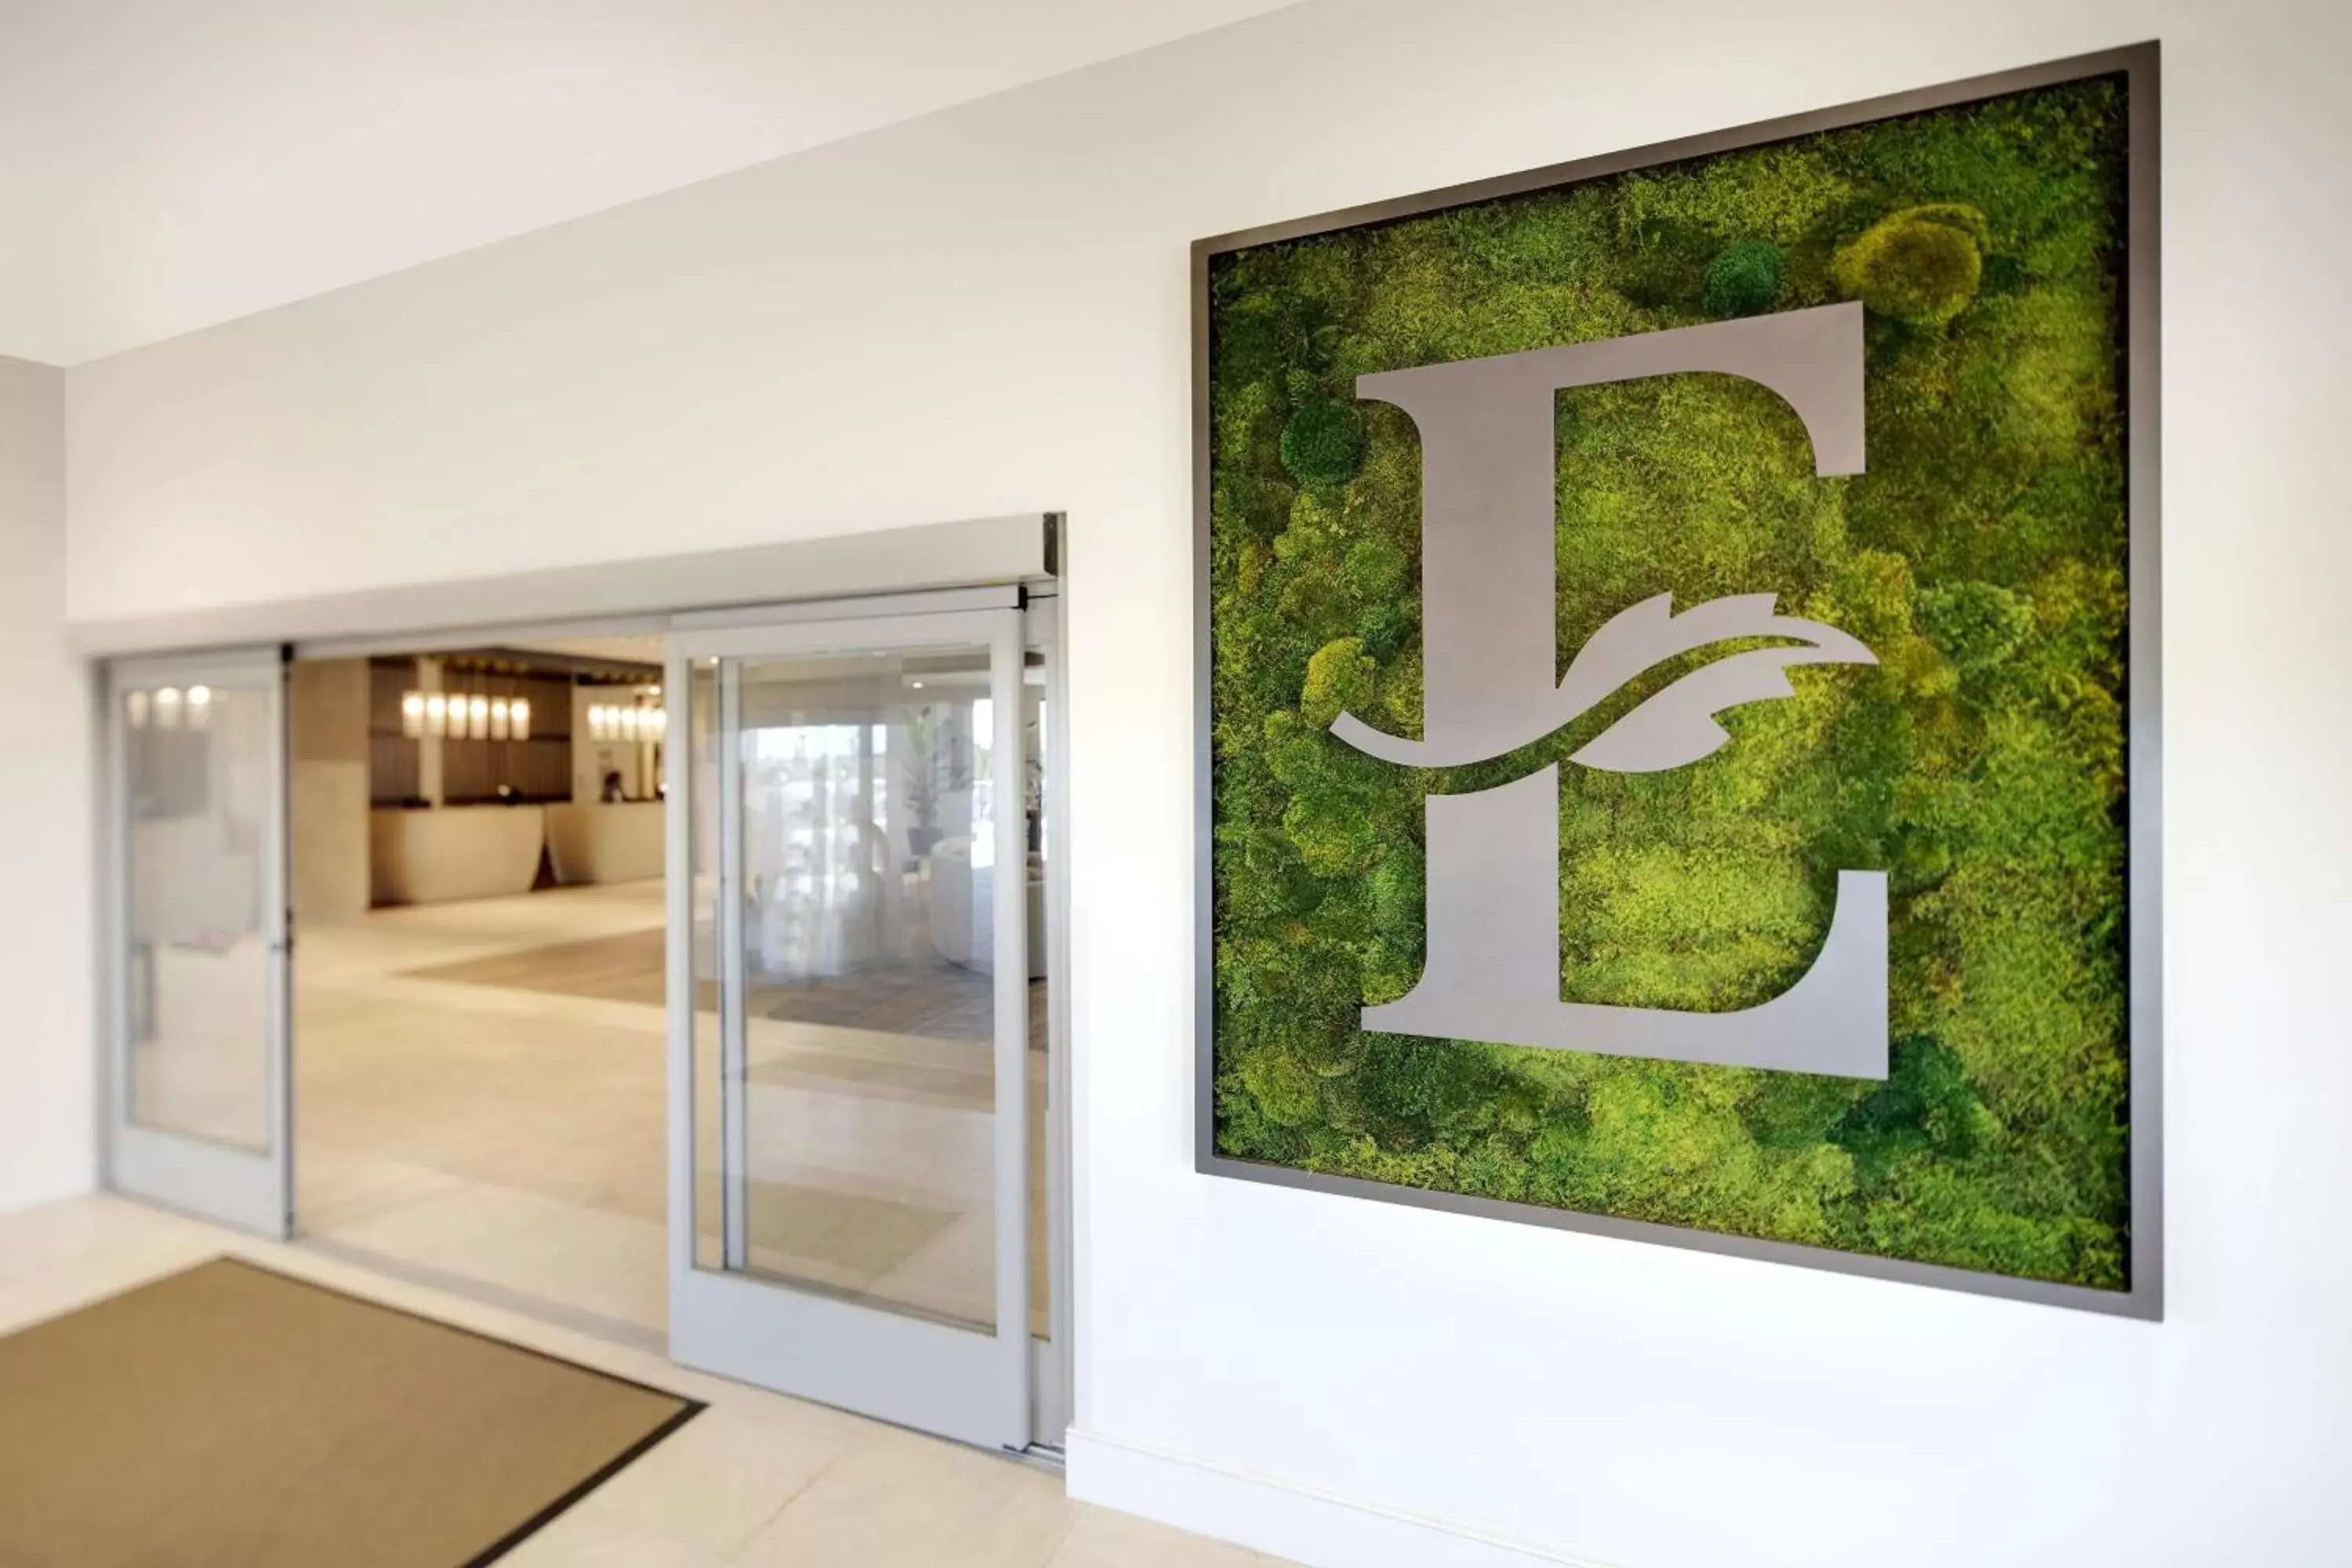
[(1980, 763)]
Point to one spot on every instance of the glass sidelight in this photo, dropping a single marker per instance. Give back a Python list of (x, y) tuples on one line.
[(858, 1015), (197, 1110)]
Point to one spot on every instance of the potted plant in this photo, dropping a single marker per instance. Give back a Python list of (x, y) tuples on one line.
[(936, 766)]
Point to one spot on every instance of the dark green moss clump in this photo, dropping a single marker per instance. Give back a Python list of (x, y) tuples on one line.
[(1324, 443), (1980, 763), (1743, 279)]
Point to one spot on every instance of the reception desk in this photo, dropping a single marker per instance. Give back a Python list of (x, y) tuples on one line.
[(619, 842), (432, 857)]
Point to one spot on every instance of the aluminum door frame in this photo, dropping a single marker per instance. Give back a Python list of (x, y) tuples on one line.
[(959, 1383), (1055, 1381), (250, 1191)]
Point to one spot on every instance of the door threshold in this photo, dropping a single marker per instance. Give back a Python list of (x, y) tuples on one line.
[(481, 1293)]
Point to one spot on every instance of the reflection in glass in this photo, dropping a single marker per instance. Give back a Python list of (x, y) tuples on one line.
[(196, 969), (848, 1083)]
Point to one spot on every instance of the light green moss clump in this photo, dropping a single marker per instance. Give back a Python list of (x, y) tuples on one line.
[(1921, 265), (1339, 677)]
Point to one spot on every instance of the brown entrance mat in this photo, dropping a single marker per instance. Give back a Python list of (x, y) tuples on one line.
[(229, 1416)]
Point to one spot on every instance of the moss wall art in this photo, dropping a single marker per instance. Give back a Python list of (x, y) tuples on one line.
[(1980, 763)]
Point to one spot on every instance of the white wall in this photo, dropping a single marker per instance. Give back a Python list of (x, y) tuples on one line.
[(48, 1074), (985, 312)]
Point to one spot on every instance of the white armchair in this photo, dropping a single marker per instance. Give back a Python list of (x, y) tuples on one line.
[(963, 910)]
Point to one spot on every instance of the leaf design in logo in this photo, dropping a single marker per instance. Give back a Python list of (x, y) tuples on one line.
[(1673, 728), (1677, 726)]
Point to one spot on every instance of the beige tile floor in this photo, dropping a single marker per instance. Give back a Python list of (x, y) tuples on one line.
[(758, 1479), (511, 1138), (502, 1140)]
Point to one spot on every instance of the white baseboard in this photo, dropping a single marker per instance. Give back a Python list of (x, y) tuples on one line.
[(1285, 1517)]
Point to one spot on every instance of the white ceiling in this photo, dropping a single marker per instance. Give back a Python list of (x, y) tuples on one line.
[(167, 164)]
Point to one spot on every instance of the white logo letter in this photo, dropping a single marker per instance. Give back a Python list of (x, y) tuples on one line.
[(1489, 631)]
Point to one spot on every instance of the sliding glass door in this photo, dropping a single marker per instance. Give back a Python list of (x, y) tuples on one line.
[(195, 829), (856, 929)]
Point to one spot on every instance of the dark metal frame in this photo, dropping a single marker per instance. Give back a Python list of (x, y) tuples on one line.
[(2138, 64)]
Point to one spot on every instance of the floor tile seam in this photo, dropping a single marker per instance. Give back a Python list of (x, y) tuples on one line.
[(482, 1295), (1070, 1507), (368, 1211), (832, 1462), (457, 1185), (459, 1311), (505, 1001)]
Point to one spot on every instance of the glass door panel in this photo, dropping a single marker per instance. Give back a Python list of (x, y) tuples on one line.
[(198, 1109), (860, 1084)]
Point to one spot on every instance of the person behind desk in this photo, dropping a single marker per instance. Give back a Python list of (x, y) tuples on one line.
[(612, 793)]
